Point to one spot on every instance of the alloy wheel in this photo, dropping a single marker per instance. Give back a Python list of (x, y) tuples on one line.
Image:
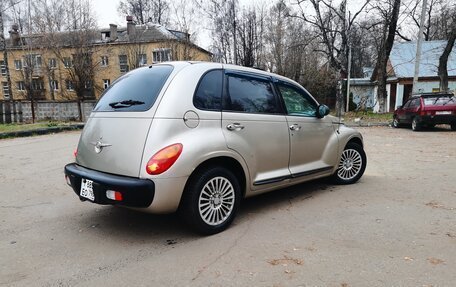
[(350, 164), (216, 201)]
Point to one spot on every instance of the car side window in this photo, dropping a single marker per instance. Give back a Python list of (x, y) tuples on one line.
[(415, 103), (208, 94), (297, 101), (407, 104), (250, 94)]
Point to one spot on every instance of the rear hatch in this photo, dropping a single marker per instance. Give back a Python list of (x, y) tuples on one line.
[(113, 138), (439, 105)]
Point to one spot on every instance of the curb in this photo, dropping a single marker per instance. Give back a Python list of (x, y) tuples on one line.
[(366, 125), (42, 131)]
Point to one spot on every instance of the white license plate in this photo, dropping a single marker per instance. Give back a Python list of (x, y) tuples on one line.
[(87, 189), (443, 113)]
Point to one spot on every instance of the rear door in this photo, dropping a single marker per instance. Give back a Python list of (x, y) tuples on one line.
[(313, 142), (254, 126), (114, 136), (412, 109)]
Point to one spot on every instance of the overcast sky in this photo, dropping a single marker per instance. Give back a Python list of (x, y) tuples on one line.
[(106, 11)]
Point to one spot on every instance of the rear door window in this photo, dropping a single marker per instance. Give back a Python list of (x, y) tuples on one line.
[(208, 95), (250, 94), (135, 91)]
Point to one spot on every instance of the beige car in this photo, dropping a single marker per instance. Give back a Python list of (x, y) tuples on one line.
[(198, 137)]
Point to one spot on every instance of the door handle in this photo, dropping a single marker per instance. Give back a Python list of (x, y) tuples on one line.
[(235, 127), (295, 127)]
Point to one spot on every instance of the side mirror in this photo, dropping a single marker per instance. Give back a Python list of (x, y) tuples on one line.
[(322, 111)]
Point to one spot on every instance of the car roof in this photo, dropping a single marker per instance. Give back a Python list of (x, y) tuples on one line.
[(429, 95)]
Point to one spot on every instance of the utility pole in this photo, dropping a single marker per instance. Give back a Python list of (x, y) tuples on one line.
[(348, 77), (233, 7), (418, 48)]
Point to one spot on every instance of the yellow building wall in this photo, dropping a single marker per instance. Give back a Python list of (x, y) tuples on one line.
[(111, 72)]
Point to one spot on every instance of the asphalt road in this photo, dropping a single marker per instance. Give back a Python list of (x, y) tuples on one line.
[(396, 227)]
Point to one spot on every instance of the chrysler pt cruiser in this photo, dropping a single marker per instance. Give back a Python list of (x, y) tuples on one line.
[(197, 138)]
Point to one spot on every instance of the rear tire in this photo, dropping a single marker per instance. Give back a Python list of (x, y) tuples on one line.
[(416, 126), (211, 200), (352, 164)]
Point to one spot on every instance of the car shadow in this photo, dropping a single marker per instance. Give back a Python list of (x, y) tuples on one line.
[(124, 224), (438, 128)]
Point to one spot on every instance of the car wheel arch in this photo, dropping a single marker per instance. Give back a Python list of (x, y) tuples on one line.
[(355, 140), (223, 161)]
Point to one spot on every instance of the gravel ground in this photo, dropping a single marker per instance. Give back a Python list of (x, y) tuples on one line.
[(395, 227)]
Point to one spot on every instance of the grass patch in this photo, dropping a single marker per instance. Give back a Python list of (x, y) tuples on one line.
[(7, 128), (368, 116)]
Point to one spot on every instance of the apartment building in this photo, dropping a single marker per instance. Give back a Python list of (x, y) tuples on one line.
[(76, 65)]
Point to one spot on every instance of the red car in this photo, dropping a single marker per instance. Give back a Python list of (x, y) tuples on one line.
[(427, 110)]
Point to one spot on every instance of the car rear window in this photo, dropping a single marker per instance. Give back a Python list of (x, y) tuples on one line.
[(440, 101), (135, 91)]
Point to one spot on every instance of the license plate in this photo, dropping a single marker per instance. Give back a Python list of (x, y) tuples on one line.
[(443, 113), (87, 189)]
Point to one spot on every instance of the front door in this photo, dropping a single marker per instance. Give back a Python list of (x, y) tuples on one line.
[(255, 127), (313, 140)]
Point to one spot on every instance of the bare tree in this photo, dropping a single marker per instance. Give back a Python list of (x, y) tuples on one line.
[(72, 44), (390, 15), (443, 60), (144, 11)]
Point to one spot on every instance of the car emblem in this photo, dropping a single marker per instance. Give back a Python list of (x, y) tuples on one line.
[(99, 145)]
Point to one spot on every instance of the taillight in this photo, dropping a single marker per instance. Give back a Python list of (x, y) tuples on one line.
[(164, 159), (75, 153)]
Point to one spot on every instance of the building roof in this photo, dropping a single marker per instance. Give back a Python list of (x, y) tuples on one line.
[(147, 33), (403, 54)]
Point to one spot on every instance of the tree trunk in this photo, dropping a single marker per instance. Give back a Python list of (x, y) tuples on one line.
[(443, 61), (380, 72), (80, 110)]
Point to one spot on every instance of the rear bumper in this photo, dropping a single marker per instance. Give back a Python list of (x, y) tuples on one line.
[(438, 119), (135, 192)]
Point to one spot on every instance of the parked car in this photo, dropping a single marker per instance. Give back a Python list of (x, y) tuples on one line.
[(427, 110), (198, 137)]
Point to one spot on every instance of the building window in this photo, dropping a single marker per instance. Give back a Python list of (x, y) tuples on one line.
[(32, 60), (21, 86), (54, 85), (6, 93), (37, 85), (67, 62), (18, 64), (3, 68), (142, 60), (69, 85), (104, 61), (88, 85), (52, 63), (106, 83), (161, 55), (123, 63)]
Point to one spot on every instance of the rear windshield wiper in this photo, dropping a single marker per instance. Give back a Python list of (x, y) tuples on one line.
[(125, 104), (449, 100)]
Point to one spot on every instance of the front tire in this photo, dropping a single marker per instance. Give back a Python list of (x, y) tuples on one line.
[(352, 164), (211, 200), (453, 126), (396, 123)]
